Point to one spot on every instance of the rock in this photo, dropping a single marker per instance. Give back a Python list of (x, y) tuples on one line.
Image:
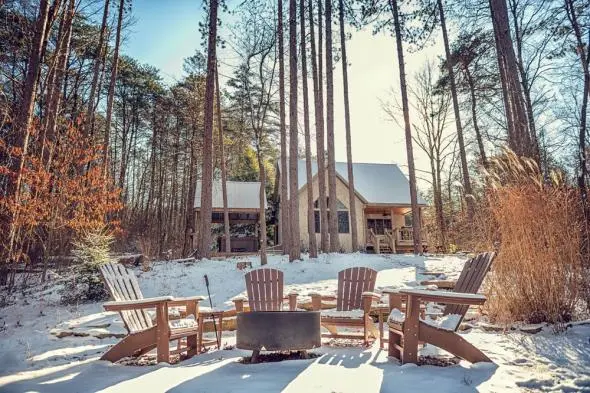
[(488, 327), (61, 333), (532, 329)]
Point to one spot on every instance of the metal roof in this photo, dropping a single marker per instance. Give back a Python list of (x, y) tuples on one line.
[(240, 195), (376, 183)]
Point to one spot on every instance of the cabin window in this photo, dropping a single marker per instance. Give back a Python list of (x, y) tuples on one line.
[(379, 225), (343, 217)]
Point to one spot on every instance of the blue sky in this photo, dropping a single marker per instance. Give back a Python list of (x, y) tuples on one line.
[(166, 32)]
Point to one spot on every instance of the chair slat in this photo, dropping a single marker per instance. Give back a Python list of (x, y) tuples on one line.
[(265, 289), (352, 282), (250, 290), (340, 291), (471, 281)]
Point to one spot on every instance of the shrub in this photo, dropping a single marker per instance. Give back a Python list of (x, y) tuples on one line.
[(537, 274)]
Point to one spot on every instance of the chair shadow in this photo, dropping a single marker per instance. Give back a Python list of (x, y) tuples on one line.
[(411, 377), (96, 375), (234, 376)]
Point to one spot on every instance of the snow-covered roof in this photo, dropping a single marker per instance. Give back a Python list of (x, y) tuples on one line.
[(240, 195), (375, 183)]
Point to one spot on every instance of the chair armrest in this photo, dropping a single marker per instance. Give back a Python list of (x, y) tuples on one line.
[(292, 297), (136, 304), (182, 301), (445, 297), (372, 295), (442, 284), (239, 302)]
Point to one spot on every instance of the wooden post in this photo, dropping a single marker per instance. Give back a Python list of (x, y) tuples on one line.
[(239, 303), (316, 302), (192, 307), (292, 302), (162, 333), (411, 330)]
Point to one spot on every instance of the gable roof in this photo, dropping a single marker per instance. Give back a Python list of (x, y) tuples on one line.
[(375, 183), (240, 195)]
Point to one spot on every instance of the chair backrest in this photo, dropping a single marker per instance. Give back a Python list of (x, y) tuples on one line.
[(352, 282), (472, 276), (265, 289), (123, 286)]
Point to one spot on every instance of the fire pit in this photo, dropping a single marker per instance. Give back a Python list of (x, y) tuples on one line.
[(278, 331)]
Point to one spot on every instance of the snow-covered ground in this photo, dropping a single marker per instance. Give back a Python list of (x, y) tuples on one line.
[(32, 359)]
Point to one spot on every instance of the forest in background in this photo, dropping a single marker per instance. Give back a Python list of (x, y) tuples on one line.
[(93, 140)]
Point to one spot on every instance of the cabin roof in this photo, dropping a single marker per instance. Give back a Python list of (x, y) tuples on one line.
[(240, 195), (373, 182)]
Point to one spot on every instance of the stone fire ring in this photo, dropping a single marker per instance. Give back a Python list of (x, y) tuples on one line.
[(278, 331)]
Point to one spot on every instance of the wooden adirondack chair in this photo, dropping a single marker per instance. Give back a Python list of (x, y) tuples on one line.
[(145, 334), (265, 292), (407, 329), (353, 304)]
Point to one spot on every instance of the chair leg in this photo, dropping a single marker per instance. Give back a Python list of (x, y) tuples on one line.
[(131, 345), (452, 342), (394, 340), (192, 344)]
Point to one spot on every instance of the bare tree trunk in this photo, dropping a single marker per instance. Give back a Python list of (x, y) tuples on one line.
[(457, 112), (318, 88), (204, 249), (113, 81), (222, 165), (351, 194), (409, 149), (313, 248), (482, 151), (24, 117), (90, 115), (519, 136), (262, 198), (295, 252), (284, 231), (332, 199), (584, 55), (55, 85)]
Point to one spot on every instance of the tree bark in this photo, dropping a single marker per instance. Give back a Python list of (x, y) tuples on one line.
[(295, 252), (313, 249), (332, 199), (63, 51), (584, 55), (100, 55), (351, 193), (457, 112), (204, 249), (318, 81), (408, 131), (482, 151), (24, 118), (222, 165), (262, 215), (113, 81), (284, 230), (519, 134)]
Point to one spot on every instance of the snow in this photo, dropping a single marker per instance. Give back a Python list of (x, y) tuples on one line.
[(333, 313), (396, 316), (446, 322), (32, 359), (188, 322)]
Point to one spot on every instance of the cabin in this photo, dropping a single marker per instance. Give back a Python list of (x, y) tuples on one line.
[(244, 213), (383, 208)]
